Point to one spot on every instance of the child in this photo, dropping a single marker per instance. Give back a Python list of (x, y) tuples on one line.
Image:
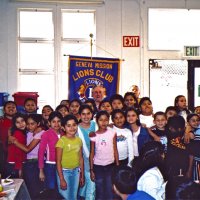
[(170, 111), (65, 102), (135, 89), (159, 129), (84, 128), (180, 104), (177, 157), (69, 160), (117, 101), (150, 170), (92, 104), (105, 105), (124, 138), (194, 134), (47, 147), (30, 167), (15, 155), (30, 106), (197, 110), (63, 110), (124, 181), (46, 111), (103, 154), (193, 121), (180, 187), (9, 109), (130, 100), (74, 108), (146, 109), (140, 134)]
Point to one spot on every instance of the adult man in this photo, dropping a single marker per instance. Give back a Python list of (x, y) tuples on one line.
[(98, 94)]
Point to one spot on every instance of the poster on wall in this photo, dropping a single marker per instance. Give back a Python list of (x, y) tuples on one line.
[(86, 73)]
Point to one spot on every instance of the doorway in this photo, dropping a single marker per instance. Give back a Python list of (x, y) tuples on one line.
[(168, 79), (193, 83)]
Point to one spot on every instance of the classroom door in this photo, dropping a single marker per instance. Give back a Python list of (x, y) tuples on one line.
[(168, 79), (193, 83)]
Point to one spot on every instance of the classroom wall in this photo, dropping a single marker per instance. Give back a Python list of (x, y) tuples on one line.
[(114, 19)]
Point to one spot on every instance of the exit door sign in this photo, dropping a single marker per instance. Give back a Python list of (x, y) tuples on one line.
[(131, 41), (191, 51)]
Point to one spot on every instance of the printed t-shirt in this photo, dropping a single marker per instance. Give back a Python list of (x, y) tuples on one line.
[(124, 143), (104, 153)]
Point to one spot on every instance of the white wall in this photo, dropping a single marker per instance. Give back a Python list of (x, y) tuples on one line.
[(115, 19), (3, 47)]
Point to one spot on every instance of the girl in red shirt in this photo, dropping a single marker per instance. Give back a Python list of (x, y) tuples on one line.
[(15, 155)]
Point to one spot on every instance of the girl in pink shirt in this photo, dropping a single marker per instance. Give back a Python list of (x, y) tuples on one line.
[(47, 154), (103, 155)]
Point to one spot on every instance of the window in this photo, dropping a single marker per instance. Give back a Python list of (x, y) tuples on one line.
[(75, 40), (172, 29), (43, 68)]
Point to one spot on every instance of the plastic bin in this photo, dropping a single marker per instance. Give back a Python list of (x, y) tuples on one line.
[(3, 98), (20, 109), (1, 111), (19, 97)]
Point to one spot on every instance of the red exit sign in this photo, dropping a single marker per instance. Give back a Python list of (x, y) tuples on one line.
[(131, 41)]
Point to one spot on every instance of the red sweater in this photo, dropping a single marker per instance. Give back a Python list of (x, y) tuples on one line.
[(15, 154), (5, 124)]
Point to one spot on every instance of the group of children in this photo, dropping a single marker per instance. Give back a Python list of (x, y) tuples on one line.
[(72, 152)]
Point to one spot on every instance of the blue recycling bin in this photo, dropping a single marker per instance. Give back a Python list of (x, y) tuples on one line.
[(3, 98)]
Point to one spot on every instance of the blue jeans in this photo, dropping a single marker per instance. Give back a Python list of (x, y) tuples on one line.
[(50, 176), (88, 190), (71, 176), (103, 181), (31, 177)]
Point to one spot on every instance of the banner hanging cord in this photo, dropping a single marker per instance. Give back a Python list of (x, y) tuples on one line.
[(108, 52), (76, 50), (91, 44)]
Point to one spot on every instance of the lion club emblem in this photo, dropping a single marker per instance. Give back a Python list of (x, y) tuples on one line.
[(85, 89)]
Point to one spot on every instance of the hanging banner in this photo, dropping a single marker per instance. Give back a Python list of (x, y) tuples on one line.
[(85, 73)]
